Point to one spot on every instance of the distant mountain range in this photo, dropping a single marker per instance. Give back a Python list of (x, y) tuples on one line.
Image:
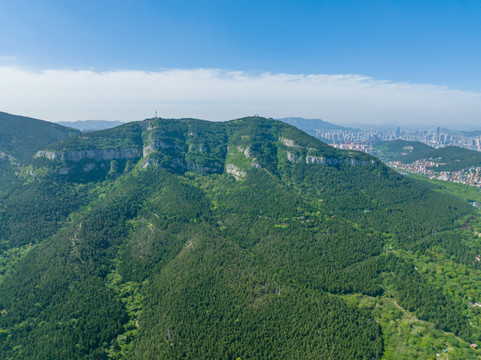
[(91, 125), (312, 126)]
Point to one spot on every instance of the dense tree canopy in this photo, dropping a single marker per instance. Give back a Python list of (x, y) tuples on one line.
[(171, 256)]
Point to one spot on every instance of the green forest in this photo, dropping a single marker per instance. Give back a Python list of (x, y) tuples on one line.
[(246, 239)]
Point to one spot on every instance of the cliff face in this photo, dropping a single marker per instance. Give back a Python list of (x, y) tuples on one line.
[(95, 154), (99, 161), (180, 164), (333, 161)]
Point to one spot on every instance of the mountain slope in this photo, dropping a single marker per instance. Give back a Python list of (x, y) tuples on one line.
[(30, 210), (21, 136), (396, 149), (192, 239)]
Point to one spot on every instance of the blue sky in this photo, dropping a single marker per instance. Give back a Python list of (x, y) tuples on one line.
[(435, 43)]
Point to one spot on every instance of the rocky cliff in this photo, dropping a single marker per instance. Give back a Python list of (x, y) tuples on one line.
[(95, 154)]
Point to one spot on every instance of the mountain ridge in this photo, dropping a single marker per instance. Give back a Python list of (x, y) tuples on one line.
[(21, 137)]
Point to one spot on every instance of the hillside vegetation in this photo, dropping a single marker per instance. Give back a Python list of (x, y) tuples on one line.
[(240, 240), (397, 149), (21, 136)]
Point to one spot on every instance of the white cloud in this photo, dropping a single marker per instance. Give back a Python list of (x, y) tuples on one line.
[(7, 59), (222, 95)]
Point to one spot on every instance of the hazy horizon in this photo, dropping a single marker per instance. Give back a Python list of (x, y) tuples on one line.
[(385, 126)]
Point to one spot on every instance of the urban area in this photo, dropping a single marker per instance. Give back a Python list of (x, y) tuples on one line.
[(364, 140)]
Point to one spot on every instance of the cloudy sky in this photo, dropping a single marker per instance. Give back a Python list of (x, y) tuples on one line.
[(347, 62)]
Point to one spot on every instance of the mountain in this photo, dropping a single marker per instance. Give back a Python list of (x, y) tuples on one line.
[(21, 137), (454, 157), (312, 126), (91, 125), (245, 239), (396, 149)]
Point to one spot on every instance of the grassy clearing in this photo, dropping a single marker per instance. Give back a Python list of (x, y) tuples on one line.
[(406, 337)]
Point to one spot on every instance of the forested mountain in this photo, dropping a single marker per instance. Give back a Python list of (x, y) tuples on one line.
[(247, 239), (397, 149), (454, 157), (21, 137)]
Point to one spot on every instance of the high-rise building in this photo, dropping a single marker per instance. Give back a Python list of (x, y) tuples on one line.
[(398, 132)]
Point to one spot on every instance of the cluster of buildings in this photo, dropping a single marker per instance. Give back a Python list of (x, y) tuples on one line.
[(364, 139), (440, 138), (471, 176), (365, 147)]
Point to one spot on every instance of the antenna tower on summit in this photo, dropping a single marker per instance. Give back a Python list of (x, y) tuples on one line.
[(156, 118)]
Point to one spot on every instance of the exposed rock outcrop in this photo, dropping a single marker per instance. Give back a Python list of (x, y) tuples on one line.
[(215, 167), (94, 154), (235, 171), (288, 142), (159, 144), (246, 151), (292, 157), (148, 162), (322, 160), (147, 150), (310, 159), (356, 162), (180, 163)]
